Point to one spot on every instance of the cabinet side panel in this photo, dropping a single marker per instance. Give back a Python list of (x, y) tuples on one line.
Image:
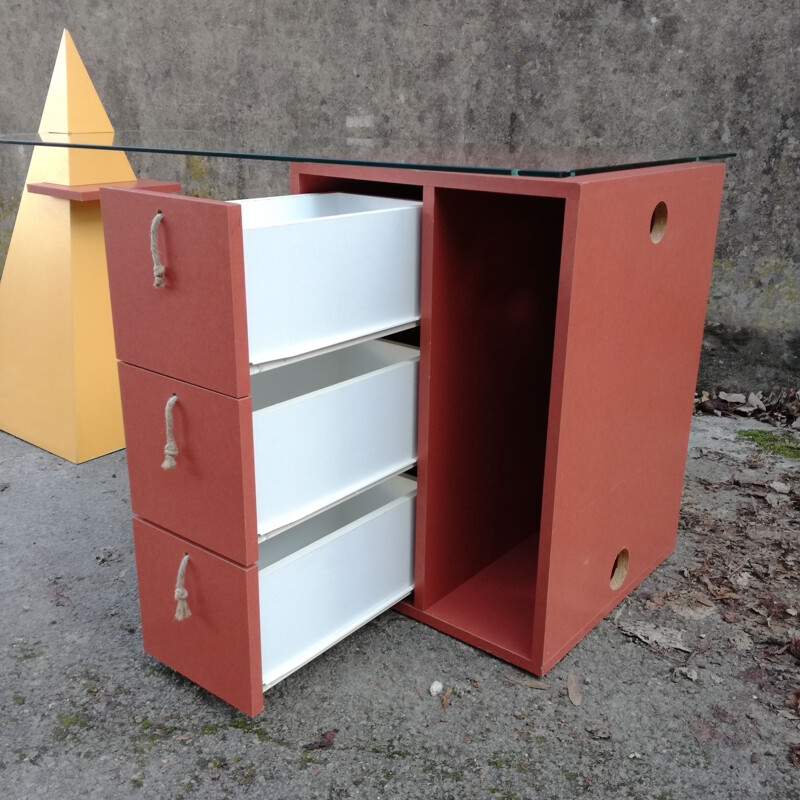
[(195, 326), (218, 646), (629, 356)]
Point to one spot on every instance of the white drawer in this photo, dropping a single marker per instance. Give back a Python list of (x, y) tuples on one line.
[(329, 426), (324, 578), (321, 269)]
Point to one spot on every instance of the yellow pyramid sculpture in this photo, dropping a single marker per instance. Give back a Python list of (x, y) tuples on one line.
[(58, 372)]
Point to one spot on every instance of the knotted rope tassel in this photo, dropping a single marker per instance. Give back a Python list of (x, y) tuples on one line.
[(182, 611), (170, 448), (158, 267)]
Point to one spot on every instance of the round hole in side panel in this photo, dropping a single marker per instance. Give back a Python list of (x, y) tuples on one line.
[(658, 222), (620, 569)]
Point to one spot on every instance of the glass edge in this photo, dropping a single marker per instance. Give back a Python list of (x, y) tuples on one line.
[(661, 162), (533, 173), (262, 156)]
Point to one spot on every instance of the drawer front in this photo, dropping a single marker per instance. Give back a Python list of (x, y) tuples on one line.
[(313, 598), (341, 267), (218, 646), (319, 448), (208, 497), (195, 326)]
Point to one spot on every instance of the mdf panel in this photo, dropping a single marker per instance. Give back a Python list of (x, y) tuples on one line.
[(194, 327), (218, 646), (627, 348), (208, 497)]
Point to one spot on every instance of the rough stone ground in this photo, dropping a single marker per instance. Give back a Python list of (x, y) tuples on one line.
[(84, 713)]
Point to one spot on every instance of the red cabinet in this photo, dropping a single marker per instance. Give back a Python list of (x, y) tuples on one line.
[(548, 484)]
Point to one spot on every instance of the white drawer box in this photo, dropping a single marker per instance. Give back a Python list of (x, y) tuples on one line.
[(331, 425), (324, 578), (321, 269)]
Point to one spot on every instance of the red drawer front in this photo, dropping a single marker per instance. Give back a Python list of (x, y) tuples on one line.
[(208, 497), (195, 326), (218, 646)]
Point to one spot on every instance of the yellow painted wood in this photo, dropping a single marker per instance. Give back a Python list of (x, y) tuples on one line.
[(72, 104), (97, 400), (58, 375), (71, 111), (37, 379)]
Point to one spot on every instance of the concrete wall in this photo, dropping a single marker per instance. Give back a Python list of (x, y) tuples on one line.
[(684, 73)]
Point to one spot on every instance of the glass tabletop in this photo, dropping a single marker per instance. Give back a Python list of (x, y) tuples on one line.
[(526, 160)]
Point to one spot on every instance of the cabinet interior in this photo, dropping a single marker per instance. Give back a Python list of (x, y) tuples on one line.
[(318, 373), (495, 271)]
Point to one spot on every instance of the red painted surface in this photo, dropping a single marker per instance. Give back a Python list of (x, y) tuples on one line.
[(195, 327), (91, 191), (627, 346), (494, 279), (218, 646), (545, 324), (209, 496)]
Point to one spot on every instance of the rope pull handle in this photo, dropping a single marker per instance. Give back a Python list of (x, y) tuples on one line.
[(182, 610), (170, 448), (158, 267)]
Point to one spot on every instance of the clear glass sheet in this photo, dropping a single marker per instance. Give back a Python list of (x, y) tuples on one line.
[(527, 160)]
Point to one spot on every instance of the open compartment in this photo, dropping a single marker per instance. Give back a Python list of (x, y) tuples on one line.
[(328, 426), (321, 269), (487, 362), (324, 578)]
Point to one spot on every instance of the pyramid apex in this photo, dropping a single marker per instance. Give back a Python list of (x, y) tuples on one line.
[(66, 39), (72, 104)]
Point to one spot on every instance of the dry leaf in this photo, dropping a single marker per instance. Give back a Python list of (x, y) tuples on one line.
[(574, 688), (704, 731), (445, 698), (326, 740), (694, 612), (598, 730), (719, 592), (741, 641), (529, 683), (748, 477), (690, 673), (654, 635), (785, 712), (776, 500)]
